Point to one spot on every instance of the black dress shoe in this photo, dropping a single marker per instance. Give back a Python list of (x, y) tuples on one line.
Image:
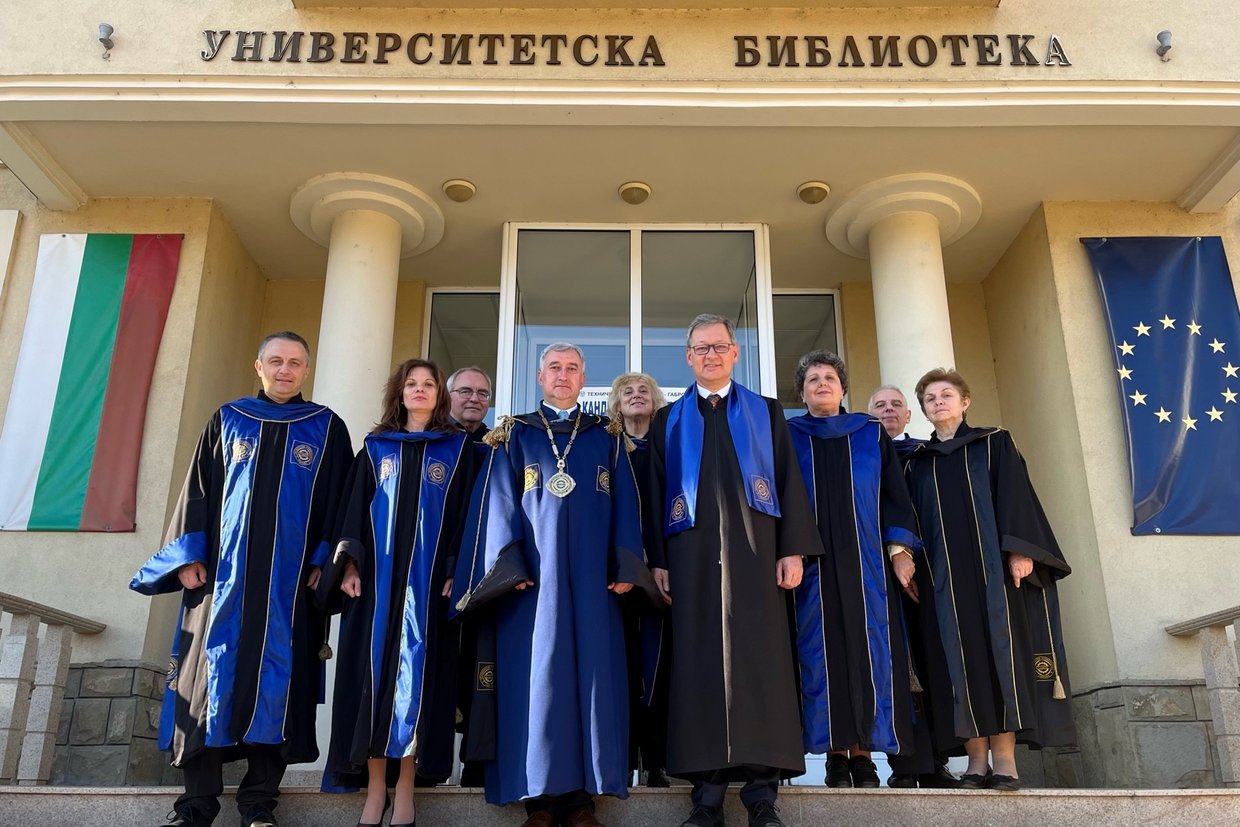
[(1003, 783), (902, 781), (764, 814), (940, 779), (186, 817), (658, 778), (838, 773), (259, 817), (974, 781), (864, 773), (701, 816)]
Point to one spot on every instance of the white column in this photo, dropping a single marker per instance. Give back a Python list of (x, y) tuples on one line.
[(368, 224), (901, 224)]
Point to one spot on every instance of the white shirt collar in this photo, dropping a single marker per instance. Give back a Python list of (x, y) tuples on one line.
[(900, 436), (723, 392), (551, 407)]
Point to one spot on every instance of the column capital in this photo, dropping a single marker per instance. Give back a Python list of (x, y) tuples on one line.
[(953, 202), (316, 204)]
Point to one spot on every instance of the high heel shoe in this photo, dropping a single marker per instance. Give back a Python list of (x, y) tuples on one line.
[(387, 802)]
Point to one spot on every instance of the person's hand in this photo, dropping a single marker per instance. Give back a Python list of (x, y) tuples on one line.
[(447, 587), (664, 582), (1020, 566), (192, 575), (902, 564), (351, 583), (523, 586), (313, 579), (788, 572), (620, 588)]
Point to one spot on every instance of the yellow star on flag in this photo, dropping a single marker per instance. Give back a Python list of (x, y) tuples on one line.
[(1126, 349), (1217, 346), (1163, 414), (1138, 398), (1190, 424), (1230, 369), (1167, 322), (1194, 328), (1215, 414), (1229, 396), (1142, 329), (1125, 373)]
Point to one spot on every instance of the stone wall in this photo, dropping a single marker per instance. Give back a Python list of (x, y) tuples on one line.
[(109, 726)]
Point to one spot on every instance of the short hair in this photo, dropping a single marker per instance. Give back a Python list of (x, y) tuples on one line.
[(288, 336), (657, 398), (707, 319), (393, 416), (813, 359), (870, 402), (561, 347), (948, 375), (470, 369)]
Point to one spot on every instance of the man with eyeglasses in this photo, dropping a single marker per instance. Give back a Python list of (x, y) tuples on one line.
[(730, 522), (471, 398)]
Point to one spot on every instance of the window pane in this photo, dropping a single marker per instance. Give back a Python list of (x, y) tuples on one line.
[(687, 273), (572, 286), (464, 333), (802, 323)]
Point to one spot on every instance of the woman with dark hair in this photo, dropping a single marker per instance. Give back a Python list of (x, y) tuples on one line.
[(854, 661), (995, 563), (398, 534)]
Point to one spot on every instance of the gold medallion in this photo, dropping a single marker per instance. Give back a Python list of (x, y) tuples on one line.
[(561, 484)]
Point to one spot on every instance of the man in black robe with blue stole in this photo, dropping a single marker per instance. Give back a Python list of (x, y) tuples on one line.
[(246, 545), (735, 522), (556, 540)]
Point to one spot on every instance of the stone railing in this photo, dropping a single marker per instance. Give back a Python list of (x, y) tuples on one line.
[(33, 673), (1221, 661)]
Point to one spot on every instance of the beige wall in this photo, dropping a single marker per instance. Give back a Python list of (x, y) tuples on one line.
[(1106, 40), (88, 573), (1149, 581), (1027, 330)]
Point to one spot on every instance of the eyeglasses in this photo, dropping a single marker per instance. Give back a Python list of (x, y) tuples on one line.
[(718, 347), (465, 393)]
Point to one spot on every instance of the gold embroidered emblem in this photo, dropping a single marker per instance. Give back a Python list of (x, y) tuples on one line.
[(387, 467), (1044, 667), (761, 490), (437, 472), (531, 477), (171, 677), (303, 454), (679, 509), (604, 480), (242, 449), (486, 677)]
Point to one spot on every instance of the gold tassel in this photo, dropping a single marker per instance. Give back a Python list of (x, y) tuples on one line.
[(1058, 693), (914, 683), (500, 432), (325, 651)]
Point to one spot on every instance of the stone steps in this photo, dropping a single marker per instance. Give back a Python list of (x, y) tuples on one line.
[(800, 807)]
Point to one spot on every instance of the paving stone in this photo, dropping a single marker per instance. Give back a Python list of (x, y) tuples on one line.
[(1160, 703), (146, 763), (60, 766), (66, 719), (121, 720), (109, 682), (1029, 766), (1070, 769), (146, 719), (98, 766), (1116, 751), (1083, 713), (143, 682), (73, 686), (1108, 697), (1171, 755), (1201, 701), (90, 721)]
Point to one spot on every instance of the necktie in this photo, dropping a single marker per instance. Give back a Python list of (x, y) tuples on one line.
[(563, 415), (713, 399)]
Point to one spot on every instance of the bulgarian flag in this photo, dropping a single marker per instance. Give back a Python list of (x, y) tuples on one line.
[(73, 430)]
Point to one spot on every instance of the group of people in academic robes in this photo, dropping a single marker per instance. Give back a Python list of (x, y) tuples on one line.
[(703, 590)]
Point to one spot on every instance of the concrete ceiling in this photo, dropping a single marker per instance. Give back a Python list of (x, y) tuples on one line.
[(569, 174)]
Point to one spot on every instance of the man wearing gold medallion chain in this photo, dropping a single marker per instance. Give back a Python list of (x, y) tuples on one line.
[(558, 526)]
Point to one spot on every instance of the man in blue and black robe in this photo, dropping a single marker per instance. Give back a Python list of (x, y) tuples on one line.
[(245, 546), (556, 541)]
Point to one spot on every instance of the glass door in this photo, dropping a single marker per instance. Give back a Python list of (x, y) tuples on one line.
[(625, 296)]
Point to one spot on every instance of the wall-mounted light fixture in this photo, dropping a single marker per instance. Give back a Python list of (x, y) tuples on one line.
[(105, 37), (459, 190), (813, 192), (1164, 44), (634, 192)]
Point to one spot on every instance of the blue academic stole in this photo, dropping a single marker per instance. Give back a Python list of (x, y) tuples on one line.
[(749, 420), (439, 464), (241, 430)]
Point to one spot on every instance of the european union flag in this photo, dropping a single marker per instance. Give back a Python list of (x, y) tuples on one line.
[(1175, 331)]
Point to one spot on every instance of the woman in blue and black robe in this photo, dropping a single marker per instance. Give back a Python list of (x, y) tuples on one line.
[(399, 529), (854, 658)]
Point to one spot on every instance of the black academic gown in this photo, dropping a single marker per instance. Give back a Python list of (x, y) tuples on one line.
[(733, 692), (1002, 646), (399, 633), (244, 667)]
